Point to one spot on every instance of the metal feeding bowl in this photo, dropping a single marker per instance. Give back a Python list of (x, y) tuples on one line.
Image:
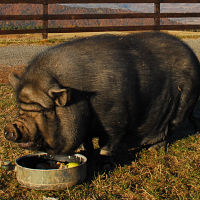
[(45, 172)]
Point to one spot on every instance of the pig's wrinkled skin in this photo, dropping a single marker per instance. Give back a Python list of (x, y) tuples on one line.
[(138, 87)]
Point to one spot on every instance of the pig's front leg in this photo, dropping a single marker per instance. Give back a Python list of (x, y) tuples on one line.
[(88, 146), (110, 145)]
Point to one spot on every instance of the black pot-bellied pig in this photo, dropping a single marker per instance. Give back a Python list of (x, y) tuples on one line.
[(138, 87)]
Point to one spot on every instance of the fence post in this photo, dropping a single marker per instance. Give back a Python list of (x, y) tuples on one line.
[(157, 15), (45, 20)]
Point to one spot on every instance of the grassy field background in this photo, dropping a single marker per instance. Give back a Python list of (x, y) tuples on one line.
[(146, 175), (54, 38)]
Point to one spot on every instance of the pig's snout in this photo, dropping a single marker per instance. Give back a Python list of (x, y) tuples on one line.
[(12, 132)]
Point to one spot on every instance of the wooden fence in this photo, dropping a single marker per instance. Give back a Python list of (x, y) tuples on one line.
[(45, 17)]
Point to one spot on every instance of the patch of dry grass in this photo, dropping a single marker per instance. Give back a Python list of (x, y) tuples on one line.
[(152, 175), (53, 38), (36, 39)]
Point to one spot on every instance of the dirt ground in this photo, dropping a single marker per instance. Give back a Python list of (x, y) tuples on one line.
[(6, 70)]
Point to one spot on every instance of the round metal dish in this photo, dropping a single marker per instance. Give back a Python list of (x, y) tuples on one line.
[(32, 174)]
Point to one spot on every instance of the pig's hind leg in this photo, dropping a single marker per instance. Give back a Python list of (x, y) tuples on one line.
[(181, 109), (185, 107)]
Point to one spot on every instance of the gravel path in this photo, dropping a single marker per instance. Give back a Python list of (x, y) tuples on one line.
[(194, 44), (17, 55)]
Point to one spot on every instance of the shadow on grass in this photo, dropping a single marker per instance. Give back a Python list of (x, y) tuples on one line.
[(98, 165)]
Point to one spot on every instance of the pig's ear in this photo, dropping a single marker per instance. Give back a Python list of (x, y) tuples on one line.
[(14, 80), (61, 96)]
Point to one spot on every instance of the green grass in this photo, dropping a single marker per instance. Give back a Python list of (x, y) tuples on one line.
[(152, 175)]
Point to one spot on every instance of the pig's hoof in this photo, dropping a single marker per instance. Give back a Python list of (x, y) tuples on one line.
[(157, 145), (105, 152)]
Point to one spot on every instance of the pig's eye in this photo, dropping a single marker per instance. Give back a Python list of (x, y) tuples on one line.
[(45, 114), (48, 113)]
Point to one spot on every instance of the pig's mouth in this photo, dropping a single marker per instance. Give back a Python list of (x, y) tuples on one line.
[(35, 144), (19, 134), (26, 145)]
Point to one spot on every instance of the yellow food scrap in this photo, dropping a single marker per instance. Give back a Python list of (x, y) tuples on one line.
[(179, 89), (61, 165), (68, 165)]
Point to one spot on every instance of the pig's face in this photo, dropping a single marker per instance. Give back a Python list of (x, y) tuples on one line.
[(29, 129), (38, 125)]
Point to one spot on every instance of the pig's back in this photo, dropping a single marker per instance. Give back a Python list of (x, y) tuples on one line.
[(137, 80)]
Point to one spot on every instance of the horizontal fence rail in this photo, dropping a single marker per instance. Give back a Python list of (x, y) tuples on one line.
[(97, 16), (45, 17), (96, 1)]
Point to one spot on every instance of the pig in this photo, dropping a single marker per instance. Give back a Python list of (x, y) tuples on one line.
[(134, 89)]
